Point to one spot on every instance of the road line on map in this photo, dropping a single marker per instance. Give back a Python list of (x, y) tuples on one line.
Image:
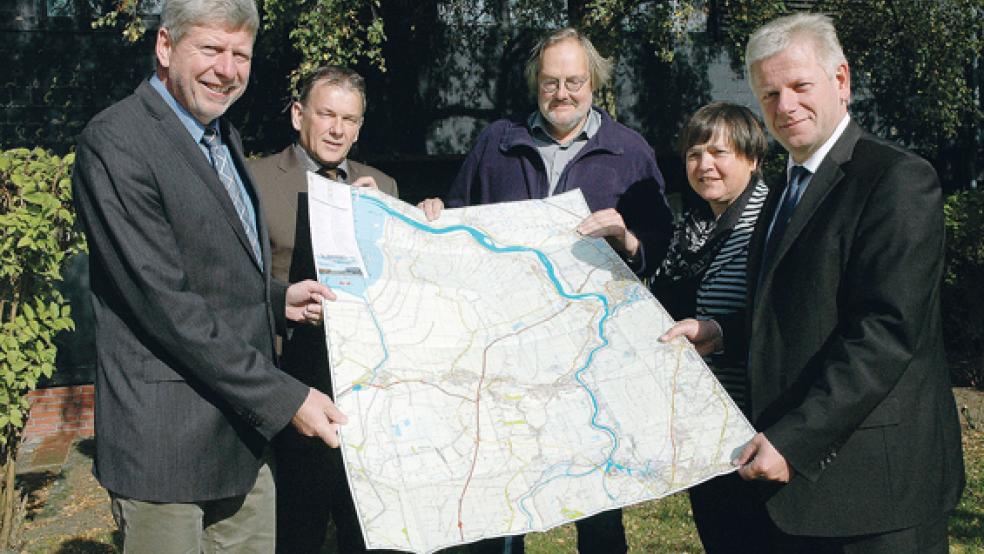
[(422, 382), (486, 241)]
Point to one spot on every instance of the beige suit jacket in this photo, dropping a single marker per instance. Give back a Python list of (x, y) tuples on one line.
[(279, 178)]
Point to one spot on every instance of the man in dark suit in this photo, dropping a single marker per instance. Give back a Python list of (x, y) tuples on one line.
[(311, 484), (859, 449), (187, 394)]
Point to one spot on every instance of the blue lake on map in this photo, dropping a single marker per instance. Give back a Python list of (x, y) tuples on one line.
[(369, 219)]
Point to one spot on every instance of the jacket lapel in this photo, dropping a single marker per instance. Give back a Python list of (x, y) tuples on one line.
[(232, 140), (294, 179), (517, 141), (757, 248), (827, 177), (176, 134), (289, 163), (354, 172)]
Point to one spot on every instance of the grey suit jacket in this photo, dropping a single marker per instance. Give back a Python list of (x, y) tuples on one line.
[(280, 178), (187, 394), (847, 377)]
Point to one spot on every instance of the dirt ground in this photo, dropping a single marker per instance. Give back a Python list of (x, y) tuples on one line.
[(68, 512), (970, 404)]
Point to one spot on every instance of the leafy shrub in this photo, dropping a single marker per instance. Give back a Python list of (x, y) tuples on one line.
[(963, 287), (39, 234)]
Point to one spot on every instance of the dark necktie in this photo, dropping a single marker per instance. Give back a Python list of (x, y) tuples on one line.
[(330, 172), (223, 167), (797, 178)]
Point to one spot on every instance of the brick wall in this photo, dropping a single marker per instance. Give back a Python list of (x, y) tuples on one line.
[(61, 410)]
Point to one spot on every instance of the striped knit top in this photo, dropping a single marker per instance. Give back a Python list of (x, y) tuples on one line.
[(722, 289), (720, 283)]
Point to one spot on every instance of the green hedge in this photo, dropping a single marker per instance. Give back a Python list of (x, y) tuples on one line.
[(963, 287)]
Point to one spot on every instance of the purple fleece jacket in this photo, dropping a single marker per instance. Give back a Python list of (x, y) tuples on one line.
[(615, 169)]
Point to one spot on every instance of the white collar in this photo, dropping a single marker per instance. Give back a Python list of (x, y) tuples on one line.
[(813, 162)]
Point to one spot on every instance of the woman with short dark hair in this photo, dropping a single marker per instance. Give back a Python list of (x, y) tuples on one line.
[(704, 276)]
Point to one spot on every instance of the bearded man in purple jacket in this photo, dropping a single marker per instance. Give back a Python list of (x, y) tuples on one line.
[(568, 144)]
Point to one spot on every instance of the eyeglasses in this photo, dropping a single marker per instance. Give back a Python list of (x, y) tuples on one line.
[(573, 84)]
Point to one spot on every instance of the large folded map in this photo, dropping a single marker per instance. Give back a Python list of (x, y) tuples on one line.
[(501, 373)]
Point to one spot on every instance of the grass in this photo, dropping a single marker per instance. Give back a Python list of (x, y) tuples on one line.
[(658, 526), (662, 526), (967, 521), (666, 526)]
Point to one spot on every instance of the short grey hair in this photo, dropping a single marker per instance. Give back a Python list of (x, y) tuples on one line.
[(599, 67), (778, 34), (333, 76), (178, 15)]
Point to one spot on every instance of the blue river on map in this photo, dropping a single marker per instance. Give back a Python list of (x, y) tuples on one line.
[(370, 215)]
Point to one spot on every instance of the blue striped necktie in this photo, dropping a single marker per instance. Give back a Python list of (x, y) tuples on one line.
[(797, 178), (223, 167)]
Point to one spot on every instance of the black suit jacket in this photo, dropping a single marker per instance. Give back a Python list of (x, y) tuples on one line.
[(187, 394), (847, 376)]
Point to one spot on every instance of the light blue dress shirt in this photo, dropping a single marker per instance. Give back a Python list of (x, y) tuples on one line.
[(197, 131)]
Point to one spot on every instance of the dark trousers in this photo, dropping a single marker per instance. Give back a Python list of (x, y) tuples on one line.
[(729, 516), (731, 519), (599, 534), (311, 490)]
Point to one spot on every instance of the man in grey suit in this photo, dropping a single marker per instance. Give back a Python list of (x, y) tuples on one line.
[(859, 443), (187, 394), (327, 115)]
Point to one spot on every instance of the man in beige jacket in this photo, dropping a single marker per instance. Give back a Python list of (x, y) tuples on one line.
[(311, 484)]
